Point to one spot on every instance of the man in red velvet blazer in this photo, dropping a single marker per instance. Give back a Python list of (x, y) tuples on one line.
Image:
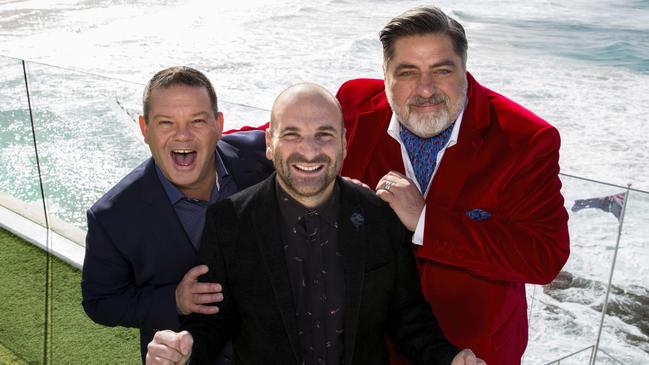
[(471, 173)]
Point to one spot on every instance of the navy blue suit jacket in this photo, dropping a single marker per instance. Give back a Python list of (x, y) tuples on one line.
[(137, 250)]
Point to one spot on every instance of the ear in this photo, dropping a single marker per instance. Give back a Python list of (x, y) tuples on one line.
[(385, 69), (269, 144), (219, 124), (144, 128)]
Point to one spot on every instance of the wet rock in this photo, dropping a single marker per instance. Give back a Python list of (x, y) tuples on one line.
[(630, 305)]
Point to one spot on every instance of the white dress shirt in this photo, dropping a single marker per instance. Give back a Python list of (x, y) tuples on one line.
[(393, 131)]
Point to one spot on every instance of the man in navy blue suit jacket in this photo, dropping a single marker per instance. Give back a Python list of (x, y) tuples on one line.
[(143, 235)]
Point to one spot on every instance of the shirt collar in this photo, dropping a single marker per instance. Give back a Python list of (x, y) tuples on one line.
[(292, 210), (175, 195)]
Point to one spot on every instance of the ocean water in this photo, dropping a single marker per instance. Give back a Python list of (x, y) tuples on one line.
[(582, 65)]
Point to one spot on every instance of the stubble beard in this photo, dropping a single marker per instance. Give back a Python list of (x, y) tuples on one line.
[(306, 187)]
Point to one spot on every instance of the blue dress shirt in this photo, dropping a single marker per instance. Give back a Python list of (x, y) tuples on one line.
[(191, 212)]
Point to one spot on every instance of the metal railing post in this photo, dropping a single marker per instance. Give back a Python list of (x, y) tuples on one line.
[(593, 358), (47, 330), (558, 361)]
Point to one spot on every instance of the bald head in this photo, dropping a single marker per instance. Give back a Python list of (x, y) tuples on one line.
[(309, 98), (306, 142)]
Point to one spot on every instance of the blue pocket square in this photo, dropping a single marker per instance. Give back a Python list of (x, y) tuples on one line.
[(478, 214)]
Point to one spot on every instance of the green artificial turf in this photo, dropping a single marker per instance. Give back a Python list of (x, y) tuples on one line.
[(75, 339), (8, 357)]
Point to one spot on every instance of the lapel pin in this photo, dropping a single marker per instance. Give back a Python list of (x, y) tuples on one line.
[(357, 220)]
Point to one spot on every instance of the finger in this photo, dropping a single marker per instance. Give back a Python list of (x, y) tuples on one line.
[(156, 360), (381, 184), (382, 181), (195, 272), (399, 178), (186, 343), (471, 360), (393, 194), (166, 337), (396, 174), (402, 180), (205, 309), (206, 288), (207, 298), (385, 195), (469, 357), (161, 353)]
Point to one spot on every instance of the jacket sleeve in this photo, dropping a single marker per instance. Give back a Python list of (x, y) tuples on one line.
[(411, 324), (211, 332), (526, 239), (110, 296)]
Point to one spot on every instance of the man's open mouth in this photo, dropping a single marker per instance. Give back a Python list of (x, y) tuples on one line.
[(183, 157), (308, 168)]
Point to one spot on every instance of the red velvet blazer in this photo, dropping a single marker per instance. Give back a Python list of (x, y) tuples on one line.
[(473, 272)]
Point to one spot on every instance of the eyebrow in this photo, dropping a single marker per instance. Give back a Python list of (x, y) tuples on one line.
[(442, 63), (164, 116), (289, 129), (327, 128)]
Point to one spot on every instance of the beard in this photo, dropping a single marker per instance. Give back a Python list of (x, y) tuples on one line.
[(426, 125), (306, 186)]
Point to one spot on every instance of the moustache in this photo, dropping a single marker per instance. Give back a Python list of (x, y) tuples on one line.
[(435, 99), (299, 158)]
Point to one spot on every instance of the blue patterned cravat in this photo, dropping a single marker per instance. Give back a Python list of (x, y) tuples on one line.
[(423, 152)]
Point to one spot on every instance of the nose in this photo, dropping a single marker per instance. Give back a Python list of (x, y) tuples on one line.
[(183, 132), (309, 147), (425, 85)]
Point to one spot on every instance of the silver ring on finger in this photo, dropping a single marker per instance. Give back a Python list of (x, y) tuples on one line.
[(387, 185)]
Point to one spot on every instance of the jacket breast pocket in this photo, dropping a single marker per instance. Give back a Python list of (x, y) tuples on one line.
[(375, 266)]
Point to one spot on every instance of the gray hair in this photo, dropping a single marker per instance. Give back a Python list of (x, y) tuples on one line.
[(421, 21)]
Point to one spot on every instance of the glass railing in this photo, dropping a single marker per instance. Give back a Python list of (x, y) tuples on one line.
[(77, 134), (607, 270), (23, 273), (84, 130)]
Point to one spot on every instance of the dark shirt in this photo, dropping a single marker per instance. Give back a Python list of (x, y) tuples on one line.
[(315, 266), (191, 212)]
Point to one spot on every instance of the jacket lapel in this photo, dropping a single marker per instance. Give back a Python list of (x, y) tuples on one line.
[(371, 124), (266, 225), (458, 159), (238, 166), (352, 238), (454, 169), (162, 216)]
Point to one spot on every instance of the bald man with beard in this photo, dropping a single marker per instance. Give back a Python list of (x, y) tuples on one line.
[(314, 269)]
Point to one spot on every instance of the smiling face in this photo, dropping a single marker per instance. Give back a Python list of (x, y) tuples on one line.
[(182, 132), (306, 143), (425, 82)]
